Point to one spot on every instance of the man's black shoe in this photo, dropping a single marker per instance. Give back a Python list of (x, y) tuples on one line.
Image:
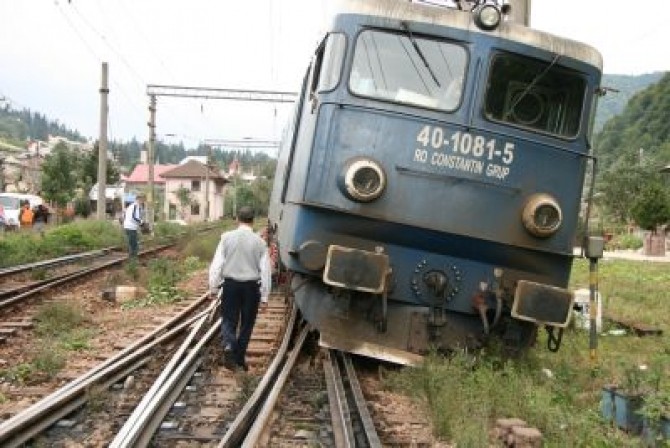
[(227, 360)]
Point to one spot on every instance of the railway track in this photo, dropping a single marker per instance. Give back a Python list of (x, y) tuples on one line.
[(168, 389)]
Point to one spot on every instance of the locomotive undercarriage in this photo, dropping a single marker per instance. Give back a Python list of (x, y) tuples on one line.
[(358, 322)]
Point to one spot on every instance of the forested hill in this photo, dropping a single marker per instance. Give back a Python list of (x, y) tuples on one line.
[(642, 128), (614, 102), (17, 126)]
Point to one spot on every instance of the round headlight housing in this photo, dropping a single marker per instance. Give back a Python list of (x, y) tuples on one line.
[(487, 16), (542, 216), (364, 180)]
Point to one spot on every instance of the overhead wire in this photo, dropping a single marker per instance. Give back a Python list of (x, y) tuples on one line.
[(95, 55), (186, 125)]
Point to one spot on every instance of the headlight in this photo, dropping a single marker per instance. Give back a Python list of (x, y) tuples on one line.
[(364, 180), (542, 215), (487, 17)]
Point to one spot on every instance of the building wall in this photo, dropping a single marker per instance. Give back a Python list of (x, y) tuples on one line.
[(215, 200)]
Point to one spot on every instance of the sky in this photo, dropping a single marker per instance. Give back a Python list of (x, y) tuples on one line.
[(51, 53)]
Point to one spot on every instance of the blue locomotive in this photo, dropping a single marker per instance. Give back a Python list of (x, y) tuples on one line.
[(429, 184)]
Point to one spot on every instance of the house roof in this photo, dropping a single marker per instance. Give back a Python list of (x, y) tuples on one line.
[(141, 173), (193, 169)]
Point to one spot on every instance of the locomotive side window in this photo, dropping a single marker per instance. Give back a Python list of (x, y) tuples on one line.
[(535, 94), (408, 69), (333, 59)]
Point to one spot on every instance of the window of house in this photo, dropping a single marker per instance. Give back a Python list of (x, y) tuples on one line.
[(195, 208), (195, 185)]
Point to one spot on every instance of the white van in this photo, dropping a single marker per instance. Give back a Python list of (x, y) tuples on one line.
[(11, 203)]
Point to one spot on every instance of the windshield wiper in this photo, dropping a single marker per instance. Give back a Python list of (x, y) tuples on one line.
[(419, 52)]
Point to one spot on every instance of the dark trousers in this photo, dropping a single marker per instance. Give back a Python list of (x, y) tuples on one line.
[(132, 242), (239, 306)]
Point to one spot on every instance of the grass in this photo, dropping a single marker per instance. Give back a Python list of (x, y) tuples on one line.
[(559, 393), (26, 246), (60, 328)]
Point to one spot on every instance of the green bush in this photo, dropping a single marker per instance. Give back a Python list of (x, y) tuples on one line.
[(624, 242)]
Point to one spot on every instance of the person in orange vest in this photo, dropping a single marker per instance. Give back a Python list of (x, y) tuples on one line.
[(26, 215)]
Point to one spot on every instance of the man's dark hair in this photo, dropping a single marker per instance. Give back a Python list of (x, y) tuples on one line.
[(246, 214)]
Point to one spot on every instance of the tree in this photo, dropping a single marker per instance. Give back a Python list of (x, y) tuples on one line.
[(89, 169), (652, 208), (620, 186), (58, 178), (184, 197)]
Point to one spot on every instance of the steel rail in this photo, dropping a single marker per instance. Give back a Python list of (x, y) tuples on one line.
[(131, 431), (175, 385), (16, 430), (236, 432), (55, 261), (4, 303), (361, 407), (263, 418), (58, 413), (337, 397)]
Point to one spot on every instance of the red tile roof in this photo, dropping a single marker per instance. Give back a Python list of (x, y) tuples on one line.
[(141, 173)]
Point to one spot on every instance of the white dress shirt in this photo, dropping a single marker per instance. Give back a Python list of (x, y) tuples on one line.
[(241, 255)]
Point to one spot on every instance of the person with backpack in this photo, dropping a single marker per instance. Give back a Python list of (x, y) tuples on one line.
[(133, 220)]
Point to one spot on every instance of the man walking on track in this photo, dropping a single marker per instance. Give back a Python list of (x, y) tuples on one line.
[(242, 263)]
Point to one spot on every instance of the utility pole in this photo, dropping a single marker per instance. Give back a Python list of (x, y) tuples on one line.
[(209, 150), (520, 12), (150, 161), (102, 146)]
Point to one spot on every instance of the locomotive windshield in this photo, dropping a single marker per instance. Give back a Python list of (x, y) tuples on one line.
[(408, 69), (535, 94)]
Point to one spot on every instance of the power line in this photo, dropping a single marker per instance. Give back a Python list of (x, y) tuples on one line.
[(222, 94)]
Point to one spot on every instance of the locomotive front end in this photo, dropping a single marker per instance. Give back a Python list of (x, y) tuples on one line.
[(434, 184)]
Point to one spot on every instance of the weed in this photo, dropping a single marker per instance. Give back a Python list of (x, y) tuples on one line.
[(57, 318), (96, 398), (191, 264), (164, 272), (202, 248), (131, 268), (158, 295), (248, 384), (49, 361), (39, 274), (17, 374), (76, 340)]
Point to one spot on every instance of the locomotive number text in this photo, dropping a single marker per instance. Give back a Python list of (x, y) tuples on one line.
[(463, 151)]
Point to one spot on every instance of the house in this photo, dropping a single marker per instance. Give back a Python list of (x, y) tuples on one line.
[(20, 173), (114, 195), (188, 189), (138, 180)]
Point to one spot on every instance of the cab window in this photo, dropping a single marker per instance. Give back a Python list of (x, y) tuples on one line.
[(408, 69), (537, 95)]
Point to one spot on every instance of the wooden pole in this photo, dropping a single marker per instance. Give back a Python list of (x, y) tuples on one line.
[(102, 146)]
